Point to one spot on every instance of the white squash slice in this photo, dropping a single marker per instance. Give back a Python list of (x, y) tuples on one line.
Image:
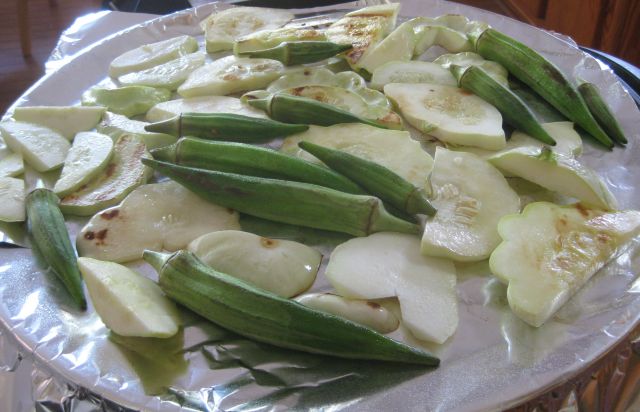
[(117, 125), (449, 113), (393, 149), (128, 303), (230, 75), (468, 59), (568, 141), (411, 72), (449, 31), (397, 46), (364, 312), (549, 252), (12, 208), (556, 172), (169, 75), (42, 148), (124, 173), (390, 264), (283, 267), (155, 217), (346, 90), (266, 39), (87, 157), (127, 100), (470, 196), (223, 28), (363, 29), (203, 104), (11, 165), (66, 120), (150, 55)]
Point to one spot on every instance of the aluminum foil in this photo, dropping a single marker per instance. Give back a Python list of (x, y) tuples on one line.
[(71, 362)]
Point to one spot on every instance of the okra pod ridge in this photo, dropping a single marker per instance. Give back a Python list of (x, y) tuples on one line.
[(265, 317), (300, 52), (49, 233), (225, 126)]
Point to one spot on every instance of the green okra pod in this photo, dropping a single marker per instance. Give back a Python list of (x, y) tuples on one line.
[(299, 52), (513, 109), (601, 112), (265, 317), (295, 203), (295, 109), (225, 126), (251, 160), (542, 76), (49, 234), (373, 177)]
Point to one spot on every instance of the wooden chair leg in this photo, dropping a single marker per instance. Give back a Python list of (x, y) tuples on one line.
[(23, 25)]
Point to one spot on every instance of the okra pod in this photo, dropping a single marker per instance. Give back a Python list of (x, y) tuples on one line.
[(225, 126), (265, 317), (513, 109), (544, 112), (295, 203), (601, 112), (542, 76), (251, 160), (295, 109), (374, 178), (50, 236), (299, 52)]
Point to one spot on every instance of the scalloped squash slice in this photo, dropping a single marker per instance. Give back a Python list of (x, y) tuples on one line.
[(449, 113), (556, 172), (224, 27), (87, 157), (168, 75), (42, 148), (468, 59), (470, 196), (568, 141), (390, 264), (127, 100), (549, 252), (202, 104), (346, 90), (230, 75), (128, 303), (116, 125), (393, 149), (398, 46), (11, 165), (67, 120), (283, 267), (152, 54), (123, 173), (12, 197), (363, 29), (161, 216), (411, 72), (266, 39)]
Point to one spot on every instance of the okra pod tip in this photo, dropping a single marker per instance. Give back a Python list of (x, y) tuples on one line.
[(156, 259)]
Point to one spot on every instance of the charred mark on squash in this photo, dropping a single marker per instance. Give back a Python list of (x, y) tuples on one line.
[(268, 243), (110, 214)]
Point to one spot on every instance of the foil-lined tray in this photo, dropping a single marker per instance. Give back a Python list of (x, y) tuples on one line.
[(494, 360)]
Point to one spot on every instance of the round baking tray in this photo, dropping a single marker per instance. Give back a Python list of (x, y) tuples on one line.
[(494, 361)]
